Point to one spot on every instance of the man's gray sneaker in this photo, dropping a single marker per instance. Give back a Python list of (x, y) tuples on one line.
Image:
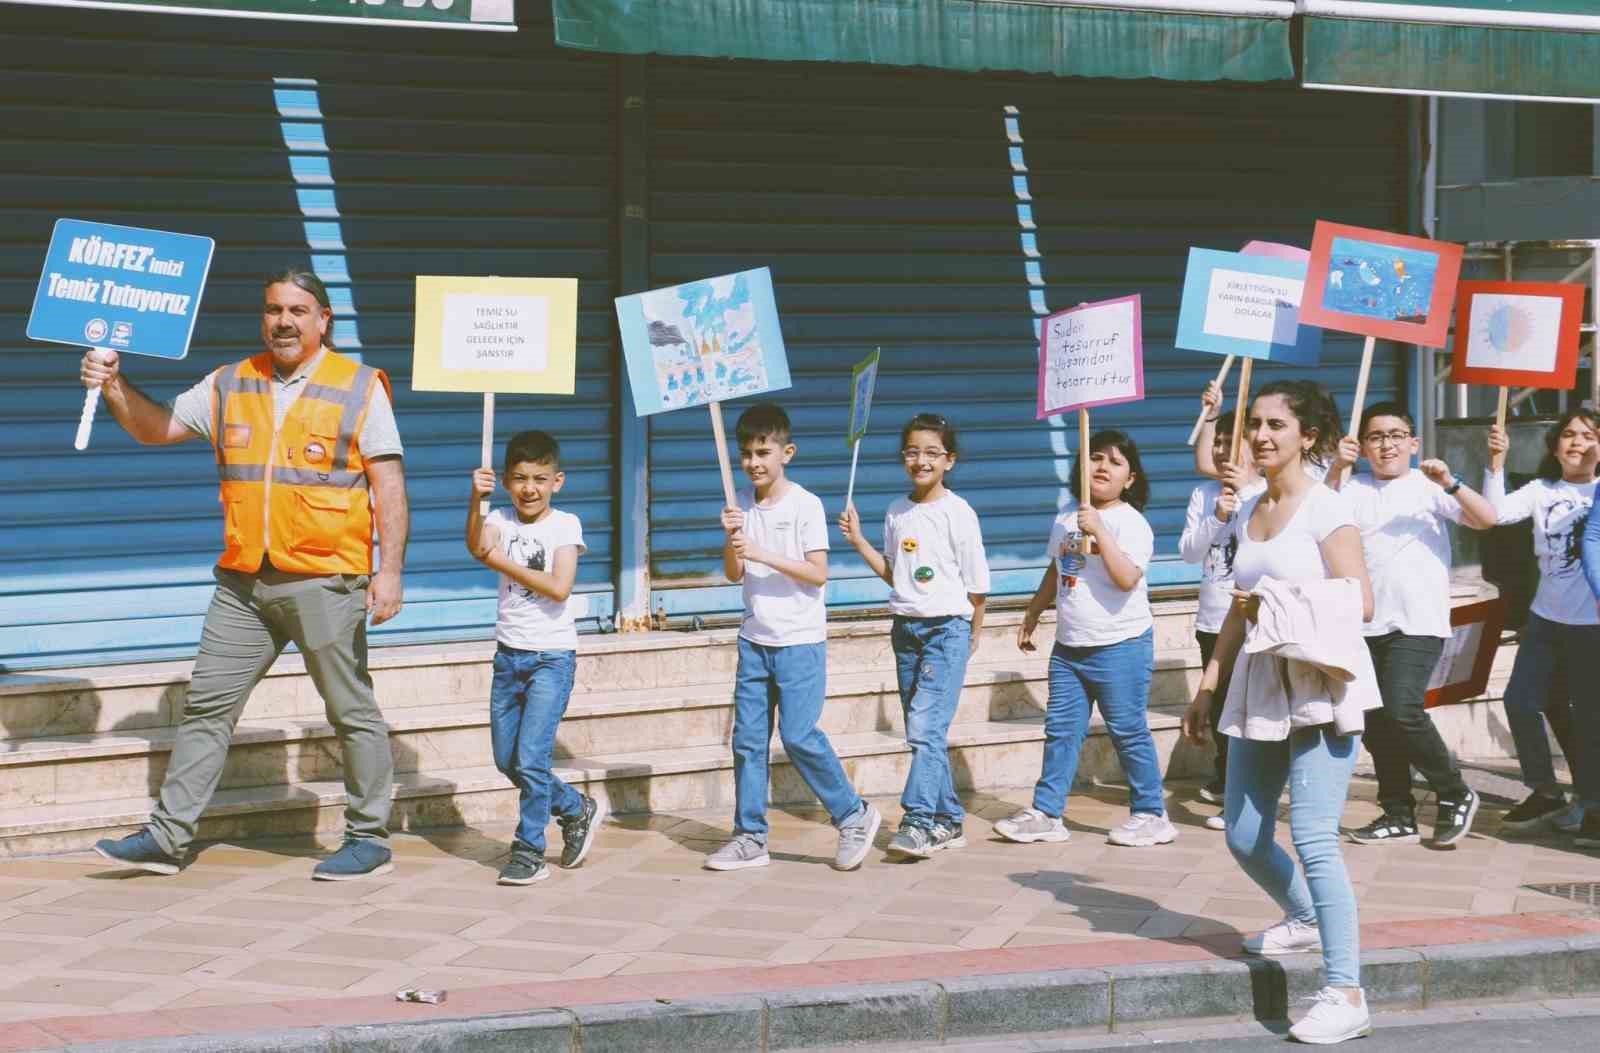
[(358, 857), (946, 836), (577, 832), (1030, 825), (526, 867), (745, 850), (140, 851), (1143, 830), (911, 842), (855, 838)]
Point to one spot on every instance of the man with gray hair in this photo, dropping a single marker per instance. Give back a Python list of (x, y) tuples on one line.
[(309, 459)]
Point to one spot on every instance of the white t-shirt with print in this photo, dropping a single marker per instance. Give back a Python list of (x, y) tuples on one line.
[(778, 610), (1208, 541), (1407, 547), (1560, 511), (1091, 610), (1296, 553), (528, 620), (935, 554)]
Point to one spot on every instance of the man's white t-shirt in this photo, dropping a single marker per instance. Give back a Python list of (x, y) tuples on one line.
[(935, 553), (778, 610), (1407, 548), (528, 620), (1560, 511), (1091, 610), (1210, 542), (1296, 553)]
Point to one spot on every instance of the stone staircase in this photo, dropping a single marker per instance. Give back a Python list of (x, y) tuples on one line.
[(82, 752)]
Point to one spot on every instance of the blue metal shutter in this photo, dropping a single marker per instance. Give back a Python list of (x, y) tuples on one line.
[(883, 200), (378, 153)]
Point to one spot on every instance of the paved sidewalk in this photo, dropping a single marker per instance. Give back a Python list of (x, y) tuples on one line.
[(243, 925)]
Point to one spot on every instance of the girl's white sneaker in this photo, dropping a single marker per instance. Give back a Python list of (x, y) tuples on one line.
[(1333, 1019), (1286, 937)]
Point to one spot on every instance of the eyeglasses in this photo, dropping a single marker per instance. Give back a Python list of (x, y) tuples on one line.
[(1379, 438), (912, 455)]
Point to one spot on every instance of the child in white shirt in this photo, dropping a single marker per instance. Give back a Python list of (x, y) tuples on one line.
[(1105, 648), (933, 559)]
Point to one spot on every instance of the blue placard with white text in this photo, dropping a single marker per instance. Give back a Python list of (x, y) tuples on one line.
[(132, 290), (1237, 303)]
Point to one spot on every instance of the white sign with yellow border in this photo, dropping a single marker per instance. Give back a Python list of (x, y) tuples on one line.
[(507, 335)]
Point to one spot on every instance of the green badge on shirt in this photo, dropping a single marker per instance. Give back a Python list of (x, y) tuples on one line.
[(923, 574)]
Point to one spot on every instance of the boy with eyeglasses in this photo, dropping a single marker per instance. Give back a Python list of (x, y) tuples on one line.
[(1401, 512)]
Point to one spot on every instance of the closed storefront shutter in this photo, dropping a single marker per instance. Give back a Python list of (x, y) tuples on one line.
[(376, 153), (886, 204)]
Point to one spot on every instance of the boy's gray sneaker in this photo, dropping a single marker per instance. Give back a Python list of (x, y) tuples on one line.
[(947, 836), (745, 850), (1143, 830), (526, 867), (1030, 825), (358, 857), (855, 838), (140, 851), (577, 832), (911, 842)]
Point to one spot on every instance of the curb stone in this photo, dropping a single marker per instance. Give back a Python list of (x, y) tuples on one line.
[(931, 1012)]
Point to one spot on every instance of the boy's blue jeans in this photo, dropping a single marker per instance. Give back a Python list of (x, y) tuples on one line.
[(1316, 764), (526, 703), (1117, 677), (791, 681), (930, 656), (1543, 645)]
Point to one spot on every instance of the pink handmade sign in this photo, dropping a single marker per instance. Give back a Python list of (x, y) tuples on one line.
[(1091, 355)]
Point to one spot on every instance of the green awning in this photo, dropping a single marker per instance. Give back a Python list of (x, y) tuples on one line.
[(1547, 50), (1246, 40)]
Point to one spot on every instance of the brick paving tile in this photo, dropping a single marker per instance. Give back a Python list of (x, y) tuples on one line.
[(286, 973), (58, 924), (519, 960), (191, 935), (153, 962), (381, 949), (70, 990)]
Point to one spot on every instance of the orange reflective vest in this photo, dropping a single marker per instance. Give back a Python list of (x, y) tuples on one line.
[(296, 495)]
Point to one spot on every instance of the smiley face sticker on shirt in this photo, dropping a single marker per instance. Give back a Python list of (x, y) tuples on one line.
[(909, 545)]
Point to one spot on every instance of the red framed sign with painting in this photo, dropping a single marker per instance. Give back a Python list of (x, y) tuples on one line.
[(1517, 334), (1380, 284), (1463, 669)]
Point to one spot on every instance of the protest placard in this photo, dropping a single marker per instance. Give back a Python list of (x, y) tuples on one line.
[(495, 335), (123, 289), (863, 381), (701, 343), (1517, 333)]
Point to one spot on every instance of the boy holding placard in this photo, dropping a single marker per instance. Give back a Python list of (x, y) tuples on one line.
[(535, 549), (1401, 512), (777, 547)]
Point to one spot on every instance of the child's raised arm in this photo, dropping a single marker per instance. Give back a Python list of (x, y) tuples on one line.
[(1211, 402), (480, 536), (1121, 568), (850, 527)]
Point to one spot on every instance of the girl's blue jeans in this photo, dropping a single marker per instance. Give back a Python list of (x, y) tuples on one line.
[(930, 657)]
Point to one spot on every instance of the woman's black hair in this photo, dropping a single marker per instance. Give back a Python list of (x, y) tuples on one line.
[(934, 423), (1314, 408), (1138, 492), (1549, 467)]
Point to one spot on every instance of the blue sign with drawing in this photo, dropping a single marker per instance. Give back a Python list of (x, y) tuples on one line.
[(1237, 303), (132, 290)]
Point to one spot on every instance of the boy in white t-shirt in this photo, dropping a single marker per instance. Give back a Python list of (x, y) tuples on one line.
[(535, 549), (1401, 512), (1208, 539), (777, 546)]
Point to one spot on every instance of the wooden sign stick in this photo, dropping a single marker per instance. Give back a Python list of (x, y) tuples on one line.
[(1222, 378), (1497, 462), (1361, 391), (1241, 410), (722, 452), (487, 460), (1086, 545)]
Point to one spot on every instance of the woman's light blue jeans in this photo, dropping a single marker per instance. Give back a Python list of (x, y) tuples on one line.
[(930, 658), (1316, 764)]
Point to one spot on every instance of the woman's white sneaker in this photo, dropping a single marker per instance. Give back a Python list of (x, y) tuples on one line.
[(1143, 830), (1287, 937), (1030, 825), (1333, 1019)]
